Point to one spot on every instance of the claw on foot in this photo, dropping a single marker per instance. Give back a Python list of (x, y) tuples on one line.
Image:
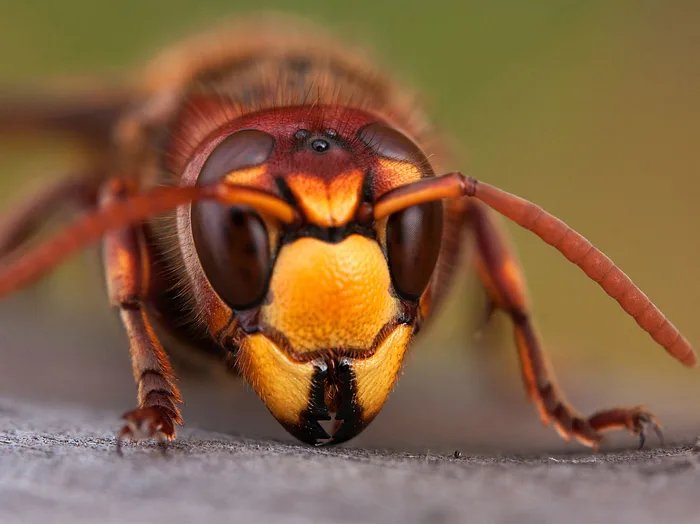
[(641, 424), (146, 423), (588, 431), (637, 420)]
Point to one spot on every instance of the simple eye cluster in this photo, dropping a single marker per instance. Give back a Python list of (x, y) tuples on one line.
[(233, 245)]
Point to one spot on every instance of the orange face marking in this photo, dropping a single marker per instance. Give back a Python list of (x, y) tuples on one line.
[(426, 302), (330, 296), (328, 203), (253, 176), (392, 174), (218, 317)]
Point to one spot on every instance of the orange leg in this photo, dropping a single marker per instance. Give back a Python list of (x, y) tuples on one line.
[(502, 277), (127, 268)]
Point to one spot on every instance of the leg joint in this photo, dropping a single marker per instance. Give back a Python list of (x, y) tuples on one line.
[(519, 316)]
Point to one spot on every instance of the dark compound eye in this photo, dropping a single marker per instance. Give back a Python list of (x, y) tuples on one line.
[(390, 143), (246, 148), (413, 237), (232, 242), (233, 248), (320, 145)]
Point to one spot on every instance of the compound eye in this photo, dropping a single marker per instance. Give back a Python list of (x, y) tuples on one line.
[(232, 242), (246, 148), (233, 248), (389, 143), (413, 238)]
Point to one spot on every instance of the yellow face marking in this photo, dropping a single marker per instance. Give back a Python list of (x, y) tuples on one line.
[(328, 203), (282, 384), (327, 296), (376, 375)]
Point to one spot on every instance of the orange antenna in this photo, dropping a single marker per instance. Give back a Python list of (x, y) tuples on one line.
[(556, 233), (32, 265)]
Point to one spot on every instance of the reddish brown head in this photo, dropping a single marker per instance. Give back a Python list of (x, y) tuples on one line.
[(325, 308)]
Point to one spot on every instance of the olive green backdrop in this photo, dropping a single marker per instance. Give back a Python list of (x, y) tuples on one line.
[(590, 109)]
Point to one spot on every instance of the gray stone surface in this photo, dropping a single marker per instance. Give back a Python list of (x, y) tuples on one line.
[(58, 465)]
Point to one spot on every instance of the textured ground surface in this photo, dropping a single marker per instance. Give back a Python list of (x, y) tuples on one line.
[(59, 465)]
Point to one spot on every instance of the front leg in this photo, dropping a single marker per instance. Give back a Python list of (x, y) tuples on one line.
[(127, 269), (502, 277)]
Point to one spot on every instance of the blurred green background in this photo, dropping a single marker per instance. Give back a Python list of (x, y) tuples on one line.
[(591, 109)]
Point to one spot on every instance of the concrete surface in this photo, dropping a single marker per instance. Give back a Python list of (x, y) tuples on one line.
[(58, 464)]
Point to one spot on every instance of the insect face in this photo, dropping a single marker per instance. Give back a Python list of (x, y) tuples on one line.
[(305, 236), (327, 307)]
